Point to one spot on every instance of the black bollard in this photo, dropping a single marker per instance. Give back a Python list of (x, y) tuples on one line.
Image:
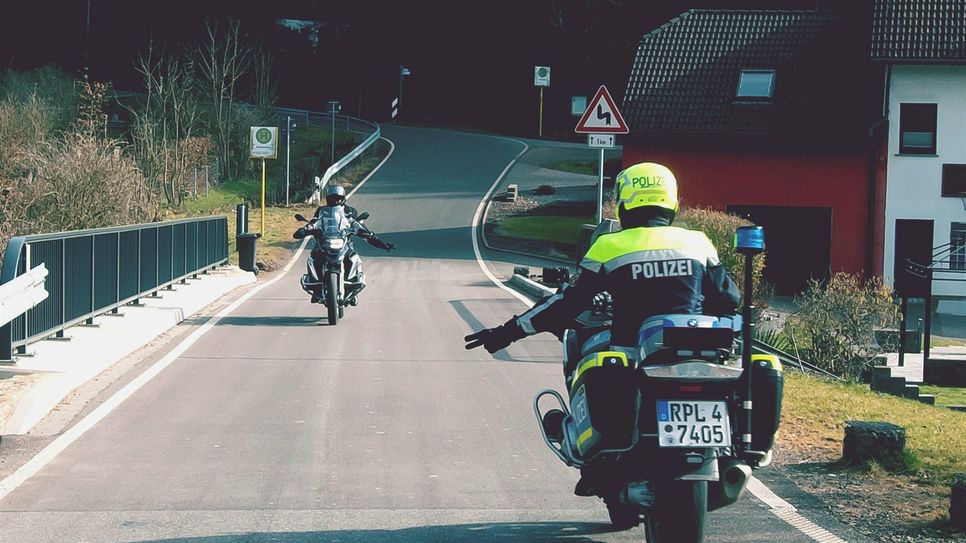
[(241, 219)]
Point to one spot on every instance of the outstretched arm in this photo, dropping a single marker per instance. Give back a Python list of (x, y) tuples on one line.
[(550, 314), (363, 232)]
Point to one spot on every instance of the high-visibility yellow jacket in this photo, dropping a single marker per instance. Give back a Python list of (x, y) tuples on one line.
[(647, 271)]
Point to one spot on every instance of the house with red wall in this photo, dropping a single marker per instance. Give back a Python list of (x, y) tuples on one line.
[(775, 115)]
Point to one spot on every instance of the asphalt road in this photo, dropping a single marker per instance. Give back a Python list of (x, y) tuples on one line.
[(274, 427)]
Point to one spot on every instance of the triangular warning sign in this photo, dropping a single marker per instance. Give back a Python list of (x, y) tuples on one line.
[(601, 116)]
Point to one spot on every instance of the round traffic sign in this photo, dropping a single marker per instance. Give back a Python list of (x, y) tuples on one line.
[(263, 135)]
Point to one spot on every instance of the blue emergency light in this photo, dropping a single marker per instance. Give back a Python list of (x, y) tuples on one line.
[(750, 239)]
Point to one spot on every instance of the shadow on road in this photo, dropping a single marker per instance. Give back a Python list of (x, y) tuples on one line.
[(523, 532), (441, 243), (270, 321)]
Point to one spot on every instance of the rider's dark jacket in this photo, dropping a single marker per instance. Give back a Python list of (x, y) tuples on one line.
[(654, 270), (359, 229)]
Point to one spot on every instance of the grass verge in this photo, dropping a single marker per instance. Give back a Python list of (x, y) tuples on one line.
[(945, 395), (815, 412), (940, 341), (553, 228)]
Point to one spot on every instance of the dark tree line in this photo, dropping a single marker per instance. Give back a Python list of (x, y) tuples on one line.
[(472, 62)]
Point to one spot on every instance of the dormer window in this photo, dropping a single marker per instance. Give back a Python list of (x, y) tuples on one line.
[(756, 84)]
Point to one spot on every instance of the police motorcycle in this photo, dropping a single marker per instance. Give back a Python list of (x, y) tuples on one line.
[(333, 276), (672, 430)]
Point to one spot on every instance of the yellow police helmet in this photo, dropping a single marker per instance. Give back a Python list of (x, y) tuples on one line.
[(646, 184)]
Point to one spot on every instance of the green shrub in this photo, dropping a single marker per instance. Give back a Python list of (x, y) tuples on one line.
[(720, 228), (49, 85), (836, 321)]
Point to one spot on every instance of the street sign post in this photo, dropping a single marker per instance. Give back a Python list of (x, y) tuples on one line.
[(602, 141), (541, 78), (601, 121), (602, 116), (264, 144)]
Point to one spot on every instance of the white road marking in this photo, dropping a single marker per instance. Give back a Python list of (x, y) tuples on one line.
[(476, 224), (58, 445), (63, 441), (787, 512)]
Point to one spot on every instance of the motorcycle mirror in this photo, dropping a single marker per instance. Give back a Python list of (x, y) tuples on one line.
[(299, 217), (363, 216)]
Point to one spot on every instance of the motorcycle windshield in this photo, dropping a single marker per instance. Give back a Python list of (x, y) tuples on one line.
[(333, 223)]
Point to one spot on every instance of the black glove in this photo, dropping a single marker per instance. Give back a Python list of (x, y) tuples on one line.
[(299, 234), (495, 339)]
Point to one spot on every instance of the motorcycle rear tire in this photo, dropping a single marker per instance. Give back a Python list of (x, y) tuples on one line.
[(332, 298), (679, 512), (623, 515)]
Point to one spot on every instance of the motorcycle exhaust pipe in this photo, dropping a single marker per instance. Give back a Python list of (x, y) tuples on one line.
[(731, 484)]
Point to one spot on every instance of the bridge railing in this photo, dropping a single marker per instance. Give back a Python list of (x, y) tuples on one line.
[(92, 272)]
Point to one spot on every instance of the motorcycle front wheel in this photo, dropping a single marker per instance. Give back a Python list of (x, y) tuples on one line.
[(332, 298), (679, 512)]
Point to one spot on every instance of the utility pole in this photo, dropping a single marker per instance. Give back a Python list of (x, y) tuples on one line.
[(288, 143), (334, 107), (87, 41)]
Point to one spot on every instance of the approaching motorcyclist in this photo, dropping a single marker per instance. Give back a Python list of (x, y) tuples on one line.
[(335, 197)]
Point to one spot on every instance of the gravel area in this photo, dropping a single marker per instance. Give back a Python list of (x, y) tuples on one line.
[(12, 387), (886, 508)]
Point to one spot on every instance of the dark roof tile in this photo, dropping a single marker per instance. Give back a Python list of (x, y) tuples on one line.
[(685, 74), (919, 30)]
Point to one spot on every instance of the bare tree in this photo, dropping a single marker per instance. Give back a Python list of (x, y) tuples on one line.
[(265, 90), (223, 60), (166, 124)]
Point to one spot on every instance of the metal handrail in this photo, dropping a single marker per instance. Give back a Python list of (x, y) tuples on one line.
[(352, 155), (99, 270)]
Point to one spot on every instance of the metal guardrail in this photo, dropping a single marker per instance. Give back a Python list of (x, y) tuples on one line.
[(23, 293), (95, 271), (361, 126)]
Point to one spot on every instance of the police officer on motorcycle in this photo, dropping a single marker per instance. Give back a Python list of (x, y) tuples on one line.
[(335, 196), (649, 268)]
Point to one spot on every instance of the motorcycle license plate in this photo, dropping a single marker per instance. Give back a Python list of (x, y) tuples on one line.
[(692, 424)]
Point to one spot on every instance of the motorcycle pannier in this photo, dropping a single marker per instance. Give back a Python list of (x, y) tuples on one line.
[(604, 401), (767, 383)]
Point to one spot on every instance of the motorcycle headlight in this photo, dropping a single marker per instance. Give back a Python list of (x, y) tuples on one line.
[(334, 243)]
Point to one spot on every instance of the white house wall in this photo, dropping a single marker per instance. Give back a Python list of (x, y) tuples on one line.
[(914, 183)]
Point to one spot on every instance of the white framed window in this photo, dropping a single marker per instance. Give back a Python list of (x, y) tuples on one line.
[(957, 246), (756, 84), (917, 129)]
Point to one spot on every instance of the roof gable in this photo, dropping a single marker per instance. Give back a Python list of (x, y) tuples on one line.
[(686, 73), (919, 30)]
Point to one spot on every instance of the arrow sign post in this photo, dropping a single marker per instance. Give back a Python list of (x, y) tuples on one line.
[(601, 117)]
